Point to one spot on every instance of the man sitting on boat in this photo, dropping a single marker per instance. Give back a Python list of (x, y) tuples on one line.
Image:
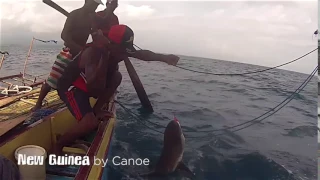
[(104, 21), (91, 74), (94, 73), (75, 34)]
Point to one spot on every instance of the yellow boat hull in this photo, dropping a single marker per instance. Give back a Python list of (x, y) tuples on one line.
[(45, 131)]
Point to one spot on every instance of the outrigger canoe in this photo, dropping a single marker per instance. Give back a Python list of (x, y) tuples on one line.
[(44, 133)]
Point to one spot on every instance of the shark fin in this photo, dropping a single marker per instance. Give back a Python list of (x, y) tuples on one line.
[(183, 167)]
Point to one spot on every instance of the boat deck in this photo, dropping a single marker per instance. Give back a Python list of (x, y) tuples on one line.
[(20, 108), (16, 113), (66, 172)]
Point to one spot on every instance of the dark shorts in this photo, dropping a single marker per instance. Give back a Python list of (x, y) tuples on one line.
[(77, 102)]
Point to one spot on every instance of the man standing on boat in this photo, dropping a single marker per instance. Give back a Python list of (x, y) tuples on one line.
[(75, 34)]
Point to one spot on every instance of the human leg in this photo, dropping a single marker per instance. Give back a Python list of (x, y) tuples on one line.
[(57, 69), (45, 89), (78, 103), (111, 86)]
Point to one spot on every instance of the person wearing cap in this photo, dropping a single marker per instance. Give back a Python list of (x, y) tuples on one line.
[(103, 21), (75, 34), (106, 19), (92, 75)]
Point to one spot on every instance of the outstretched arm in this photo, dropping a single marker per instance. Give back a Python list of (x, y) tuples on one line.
[(147, 55)]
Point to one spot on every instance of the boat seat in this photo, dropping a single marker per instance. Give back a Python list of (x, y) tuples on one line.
[(72, 150)]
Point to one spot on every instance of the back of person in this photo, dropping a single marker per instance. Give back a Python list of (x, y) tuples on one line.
[(106, 24)]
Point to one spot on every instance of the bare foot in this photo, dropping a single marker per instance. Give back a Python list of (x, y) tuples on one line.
[(57, 150), (104, 115), (36, 107)]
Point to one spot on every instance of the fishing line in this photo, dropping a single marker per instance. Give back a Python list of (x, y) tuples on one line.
[(46, 41), (254, 121), (274, 111), (139, 119), (222, 129), (245, 73)]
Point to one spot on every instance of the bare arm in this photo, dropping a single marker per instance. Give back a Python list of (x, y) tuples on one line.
[(66, 34), (147, 55)]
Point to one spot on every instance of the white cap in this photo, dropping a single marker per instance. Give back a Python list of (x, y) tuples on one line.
[(99, 2)]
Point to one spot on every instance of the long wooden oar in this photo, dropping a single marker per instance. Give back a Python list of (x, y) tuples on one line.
[(132, 72), (138, 85), (9, 100), (56, 7)]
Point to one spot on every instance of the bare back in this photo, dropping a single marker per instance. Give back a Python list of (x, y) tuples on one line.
[(77, 28)]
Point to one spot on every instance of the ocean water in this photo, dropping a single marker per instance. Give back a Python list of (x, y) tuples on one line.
[(283, 146)]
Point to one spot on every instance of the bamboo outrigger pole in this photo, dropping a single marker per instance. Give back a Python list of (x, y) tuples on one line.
[(26, 61), (1, 61), (132, 72)]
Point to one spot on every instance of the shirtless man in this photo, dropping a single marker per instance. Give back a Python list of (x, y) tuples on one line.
[(75, 34), (104, 21), (94, 73)]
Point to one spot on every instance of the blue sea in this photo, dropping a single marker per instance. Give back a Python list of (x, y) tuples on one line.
[(283, 146)]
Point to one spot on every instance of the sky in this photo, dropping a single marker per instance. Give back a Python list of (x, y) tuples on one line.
[(265, 33)]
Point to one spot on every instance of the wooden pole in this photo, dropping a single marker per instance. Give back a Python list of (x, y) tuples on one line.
[(1, 62), (138, 85), (132, 72), (28, 55)]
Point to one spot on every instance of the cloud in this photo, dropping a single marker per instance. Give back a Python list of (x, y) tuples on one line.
[(264, 33), (137, 12)]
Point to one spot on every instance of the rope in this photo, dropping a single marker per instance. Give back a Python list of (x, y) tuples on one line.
[(272, 111), (245, 73), (5, 52), (16, 90), (44, 41), (139, 119), (303, 85), (249, 72)]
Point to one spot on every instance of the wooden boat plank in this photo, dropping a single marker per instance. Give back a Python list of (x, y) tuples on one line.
[(9, 124), (5, 82), (27, 136), (20, 108), (9, 100), (10, 77)]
